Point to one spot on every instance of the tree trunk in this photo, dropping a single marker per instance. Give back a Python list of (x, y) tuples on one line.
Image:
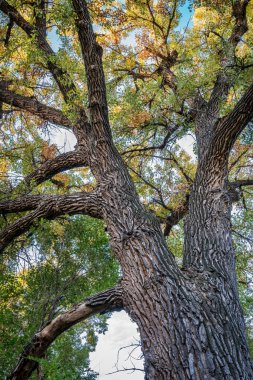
[(190, 320), (189, 330)]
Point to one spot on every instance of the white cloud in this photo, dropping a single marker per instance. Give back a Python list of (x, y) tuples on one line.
[(121, 333), (187, 143)]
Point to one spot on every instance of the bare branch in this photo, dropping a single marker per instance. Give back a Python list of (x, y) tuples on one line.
[(186, 176), (133, 369), (105, 301), (163, 145), (238, 158), (33, 106)]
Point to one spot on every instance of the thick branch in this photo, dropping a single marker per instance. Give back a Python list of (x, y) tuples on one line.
[(242, 182), (92, 56), (46, 206), (208, 116), (40, 8), (33, 106), (229, 128), (58, 164), (106, 301), (235, 189), (239, 12), (234, 192)]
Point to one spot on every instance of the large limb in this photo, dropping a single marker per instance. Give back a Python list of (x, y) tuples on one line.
[(179, 213), (208, 115), (106, 301), (92, 57), (46, 206), (128, 228), (210, 201), (228, 128), (33, 106)]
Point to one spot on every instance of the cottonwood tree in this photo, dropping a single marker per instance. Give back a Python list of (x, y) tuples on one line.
[(166, 84)]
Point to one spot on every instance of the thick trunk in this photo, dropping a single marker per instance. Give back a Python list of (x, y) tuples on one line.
[(208, 239), (190, 320), (189, 330), (209, 318)]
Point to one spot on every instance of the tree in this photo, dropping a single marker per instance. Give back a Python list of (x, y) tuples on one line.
[(189, 316)]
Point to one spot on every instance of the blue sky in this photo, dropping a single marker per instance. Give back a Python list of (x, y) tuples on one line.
[(184, 21)]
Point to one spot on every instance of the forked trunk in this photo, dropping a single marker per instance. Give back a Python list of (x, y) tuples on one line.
[(190, 320)]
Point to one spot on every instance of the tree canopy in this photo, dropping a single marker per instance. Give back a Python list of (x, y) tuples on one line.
[(164, 63)]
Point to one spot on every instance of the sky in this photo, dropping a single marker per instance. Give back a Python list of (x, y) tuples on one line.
[(107, 358), (109, 355)]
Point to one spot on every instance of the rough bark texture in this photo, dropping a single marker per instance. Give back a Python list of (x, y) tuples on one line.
[(34, 106), (190, 319)]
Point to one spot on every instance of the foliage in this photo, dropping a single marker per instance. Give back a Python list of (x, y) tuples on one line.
[(48, 277)]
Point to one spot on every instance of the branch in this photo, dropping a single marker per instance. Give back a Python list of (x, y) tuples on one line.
[(106, 301), (239, 8), (242, 182), (189, 180), (223, 82), (92, 56), (175, 217), (228, 128), (57, 165), (33, 106), (40, 8), (8, 33), (61, 77), (155, 147), (46, 206), (177, 214)]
